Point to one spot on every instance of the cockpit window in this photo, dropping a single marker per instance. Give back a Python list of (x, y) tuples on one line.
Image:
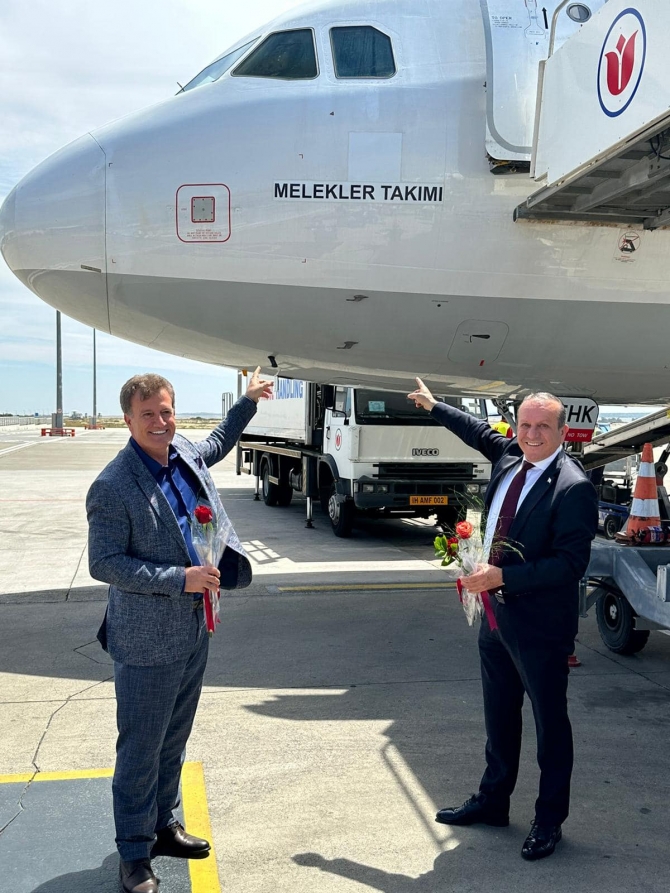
[(219, 67), (287, 54), (362, 51)]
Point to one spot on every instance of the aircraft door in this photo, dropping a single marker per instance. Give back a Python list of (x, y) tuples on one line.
[(518, 36)]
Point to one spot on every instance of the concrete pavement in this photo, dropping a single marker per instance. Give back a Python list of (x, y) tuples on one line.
[(336, 717)]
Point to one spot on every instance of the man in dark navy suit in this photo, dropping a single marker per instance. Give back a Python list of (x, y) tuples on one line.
[(542, 514)]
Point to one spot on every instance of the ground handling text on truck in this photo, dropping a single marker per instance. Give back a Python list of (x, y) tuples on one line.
[(360, 450)]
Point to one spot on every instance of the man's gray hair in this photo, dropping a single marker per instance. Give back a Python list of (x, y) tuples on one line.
[(545, 397), (146, 385)]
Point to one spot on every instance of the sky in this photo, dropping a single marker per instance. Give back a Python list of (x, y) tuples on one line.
[(67, 68)]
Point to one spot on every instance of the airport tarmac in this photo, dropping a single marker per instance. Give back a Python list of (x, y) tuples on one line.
[(341, 708)]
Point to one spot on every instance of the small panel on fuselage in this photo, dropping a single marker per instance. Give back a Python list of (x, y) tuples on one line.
[(203, 212)]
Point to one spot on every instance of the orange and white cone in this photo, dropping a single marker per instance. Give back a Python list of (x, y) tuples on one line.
[(644, 510)]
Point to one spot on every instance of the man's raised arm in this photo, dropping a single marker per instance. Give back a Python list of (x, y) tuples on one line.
[(224, 437), (476, 433)]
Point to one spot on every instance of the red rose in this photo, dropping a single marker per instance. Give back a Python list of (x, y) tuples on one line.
[(203, 514), (464, 529), (453, 541)]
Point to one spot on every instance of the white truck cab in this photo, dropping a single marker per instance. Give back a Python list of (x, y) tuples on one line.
[(361, 449)]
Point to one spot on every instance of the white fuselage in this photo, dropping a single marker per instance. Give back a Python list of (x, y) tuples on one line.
[(424, 274)]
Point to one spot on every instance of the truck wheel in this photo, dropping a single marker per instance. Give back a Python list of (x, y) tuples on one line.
[(616, 624), (611, 526), (341, 514), (270, 490)]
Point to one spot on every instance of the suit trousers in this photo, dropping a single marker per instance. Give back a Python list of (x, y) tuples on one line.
[(156, 706), (511, 666)]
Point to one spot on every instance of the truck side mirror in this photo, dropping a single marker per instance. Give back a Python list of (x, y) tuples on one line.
[(328, 396)]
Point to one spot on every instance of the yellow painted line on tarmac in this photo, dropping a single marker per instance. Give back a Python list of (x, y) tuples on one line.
[(56, 776), (203, 872), (366, 587)]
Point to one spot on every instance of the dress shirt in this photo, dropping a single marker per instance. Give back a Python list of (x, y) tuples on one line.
[(532, 476), (181, 488)]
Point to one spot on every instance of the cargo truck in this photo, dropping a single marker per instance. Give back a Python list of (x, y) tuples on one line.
[(360, 450)]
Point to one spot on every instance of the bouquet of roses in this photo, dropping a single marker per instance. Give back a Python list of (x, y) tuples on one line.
[(209, 542), (462, 553)]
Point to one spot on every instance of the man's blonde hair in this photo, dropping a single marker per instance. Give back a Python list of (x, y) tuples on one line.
[(146, 385)]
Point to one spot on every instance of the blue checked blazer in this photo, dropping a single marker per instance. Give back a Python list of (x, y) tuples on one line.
[(136, 545)]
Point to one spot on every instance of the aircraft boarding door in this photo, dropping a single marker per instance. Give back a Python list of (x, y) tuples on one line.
[(602, 149), (518, 34)]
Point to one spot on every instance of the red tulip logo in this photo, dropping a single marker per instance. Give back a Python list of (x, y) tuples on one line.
[(620, 64), (622, 61)]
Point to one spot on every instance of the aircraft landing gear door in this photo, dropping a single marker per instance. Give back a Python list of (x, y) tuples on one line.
[(477, 342), (203, 212)]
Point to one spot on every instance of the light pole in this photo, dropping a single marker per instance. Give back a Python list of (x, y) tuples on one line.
[(59, 375), (94, 420)]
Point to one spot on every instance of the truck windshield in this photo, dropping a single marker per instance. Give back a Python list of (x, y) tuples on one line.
[(391, 408)]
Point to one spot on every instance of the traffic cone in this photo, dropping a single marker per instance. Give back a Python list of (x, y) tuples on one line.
[(644, 510)]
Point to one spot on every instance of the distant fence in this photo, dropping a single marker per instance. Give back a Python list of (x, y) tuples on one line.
[(7, 420)]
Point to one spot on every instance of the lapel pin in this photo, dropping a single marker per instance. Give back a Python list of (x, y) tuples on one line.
[(548, 480)]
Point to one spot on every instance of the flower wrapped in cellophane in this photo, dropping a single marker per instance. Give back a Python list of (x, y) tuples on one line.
[(462, 553), (209, 541)]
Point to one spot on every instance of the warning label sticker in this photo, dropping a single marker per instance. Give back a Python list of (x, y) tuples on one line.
[(628, 245)]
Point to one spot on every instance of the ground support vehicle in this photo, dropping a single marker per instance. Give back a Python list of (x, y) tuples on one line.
[(630, 587), (359, 451), (611, 518)]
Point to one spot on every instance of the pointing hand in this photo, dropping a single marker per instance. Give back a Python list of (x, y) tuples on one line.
[(422, 396), (259, 387)]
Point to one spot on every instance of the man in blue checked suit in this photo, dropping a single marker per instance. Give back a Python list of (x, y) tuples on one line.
[(540, 505), (139, 510)]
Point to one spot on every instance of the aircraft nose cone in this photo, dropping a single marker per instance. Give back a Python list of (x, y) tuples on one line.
[(52, 232), (7, 213)]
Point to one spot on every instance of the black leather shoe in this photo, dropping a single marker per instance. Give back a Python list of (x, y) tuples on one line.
[(174, 841), (137, 876), (473, 811), (541, 841)]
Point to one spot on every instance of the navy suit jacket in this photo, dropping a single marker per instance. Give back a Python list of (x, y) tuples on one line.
[(552, 530)]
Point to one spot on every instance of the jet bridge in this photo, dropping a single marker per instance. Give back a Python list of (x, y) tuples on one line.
[(627, 440), (601, 144)]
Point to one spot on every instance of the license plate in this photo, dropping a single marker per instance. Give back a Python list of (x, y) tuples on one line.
[(429, 500)]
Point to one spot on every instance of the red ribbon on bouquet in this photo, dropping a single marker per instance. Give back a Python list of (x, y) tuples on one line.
[(486, 601), (210, 620)]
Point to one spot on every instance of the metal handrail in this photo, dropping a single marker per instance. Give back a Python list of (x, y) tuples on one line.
[(554, 21)]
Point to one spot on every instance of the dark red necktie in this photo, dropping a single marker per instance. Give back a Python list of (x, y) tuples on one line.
[(503, 525), (508, 510)]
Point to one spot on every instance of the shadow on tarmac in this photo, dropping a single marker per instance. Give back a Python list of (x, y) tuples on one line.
[(464, 870), (104, 879), (172, 873)]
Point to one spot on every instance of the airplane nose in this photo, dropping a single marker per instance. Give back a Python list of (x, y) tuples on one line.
[(52, 232)]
